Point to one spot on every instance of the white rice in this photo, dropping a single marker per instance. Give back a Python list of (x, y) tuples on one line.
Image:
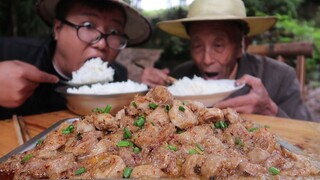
[(109, 88), (200, 86), (93, 71)]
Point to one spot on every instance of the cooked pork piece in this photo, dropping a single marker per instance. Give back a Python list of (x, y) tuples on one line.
[(181, 116), (156, 136)]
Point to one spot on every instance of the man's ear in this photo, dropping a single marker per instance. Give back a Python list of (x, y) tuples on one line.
[(57, 26)]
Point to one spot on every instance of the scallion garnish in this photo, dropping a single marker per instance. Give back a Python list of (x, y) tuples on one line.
[(127, 172), (39, 142), (134, 104), (139, 122), (127, 134), (192, 151), (221, 125), (26, 158), (274, 171), (181, 108), (107, 109), (253, 129), (125, 143), (153, 105), (173, 148), (68, 130), (80, 171), (136, 150), (79, 136), (238, 141), (199, 146), (167, 107)]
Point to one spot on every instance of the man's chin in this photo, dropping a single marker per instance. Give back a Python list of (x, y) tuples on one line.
[(211, 77)]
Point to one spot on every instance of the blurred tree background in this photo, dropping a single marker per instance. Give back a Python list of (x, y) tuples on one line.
[(298, 20)]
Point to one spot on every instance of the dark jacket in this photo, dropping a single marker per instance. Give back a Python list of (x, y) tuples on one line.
[(39, 52), (278, 78)]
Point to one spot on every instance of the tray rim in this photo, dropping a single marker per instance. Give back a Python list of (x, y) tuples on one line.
[(33, 141)]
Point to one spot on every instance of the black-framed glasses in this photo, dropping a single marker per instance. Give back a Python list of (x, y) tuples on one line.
[(89, 34)]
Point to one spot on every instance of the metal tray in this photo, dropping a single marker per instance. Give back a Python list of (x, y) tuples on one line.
[(33, 141)]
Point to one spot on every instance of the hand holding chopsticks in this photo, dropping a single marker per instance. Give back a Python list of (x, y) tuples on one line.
[(21, 129), (153, 76)]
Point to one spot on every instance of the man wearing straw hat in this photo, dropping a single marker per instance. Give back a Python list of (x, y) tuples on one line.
[(82, 29), (217, 30)]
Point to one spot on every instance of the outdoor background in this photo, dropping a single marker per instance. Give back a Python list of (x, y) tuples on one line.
[(298, 20)]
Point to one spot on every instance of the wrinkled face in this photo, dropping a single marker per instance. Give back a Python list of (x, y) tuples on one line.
[(71, 53), (214, 48)]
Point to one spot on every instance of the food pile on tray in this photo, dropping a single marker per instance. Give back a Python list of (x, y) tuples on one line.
[(156, 136)]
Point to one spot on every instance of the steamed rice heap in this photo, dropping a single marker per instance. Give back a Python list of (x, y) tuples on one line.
[(93, 71), (199, 86), (109, 88)]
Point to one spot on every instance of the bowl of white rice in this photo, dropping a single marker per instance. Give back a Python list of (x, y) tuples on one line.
[(208, 92), (84, 99)]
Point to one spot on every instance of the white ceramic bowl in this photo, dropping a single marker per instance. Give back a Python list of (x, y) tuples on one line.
[(210, 99), (83, 104)]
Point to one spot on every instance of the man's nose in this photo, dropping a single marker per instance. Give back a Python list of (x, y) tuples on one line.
[(208, 57)]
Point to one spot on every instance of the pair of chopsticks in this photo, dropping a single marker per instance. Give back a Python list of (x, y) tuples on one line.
[(169, 79), (21, 129)]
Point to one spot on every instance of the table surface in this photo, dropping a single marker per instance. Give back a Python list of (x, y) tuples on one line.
[(303, 134)]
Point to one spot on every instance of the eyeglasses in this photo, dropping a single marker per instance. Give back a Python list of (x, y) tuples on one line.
[(89, 34)]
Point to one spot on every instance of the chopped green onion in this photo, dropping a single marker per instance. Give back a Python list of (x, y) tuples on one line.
[(39, 142), (80, 171), (274, 171), (140, 121), (107, 109), (221, 125), (199, 146), (238, 141), (192, 151), (68, 130), (136, 150), (79, 136), (167, 107), (124, 143), (134, 104), (127, 172), (152, 123), (173, 148), (181, 108), (179, 131), (153, 105), (127, 134), (253, 129), (26, 158)]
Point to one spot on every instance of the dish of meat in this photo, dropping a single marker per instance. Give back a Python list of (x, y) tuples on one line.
[(156, 136)]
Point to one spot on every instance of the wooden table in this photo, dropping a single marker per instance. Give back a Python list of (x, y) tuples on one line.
[(305, 135)]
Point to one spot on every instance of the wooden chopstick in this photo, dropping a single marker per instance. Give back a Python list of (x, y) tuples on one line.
[(17, 129), (21, 129), (169, 80), (24, 128)]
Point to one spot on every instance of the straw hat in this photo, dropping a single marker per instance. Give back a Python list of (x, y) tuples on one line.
[(217, 10), (138, 28)]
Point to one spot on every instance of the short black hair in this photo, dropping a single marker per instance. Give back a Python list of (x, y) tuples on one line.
[(63, 7)]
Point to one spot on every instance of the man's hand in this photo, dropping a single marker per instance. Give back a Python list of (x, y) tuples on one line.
[(257, 101), (153, 77), (18, 80)]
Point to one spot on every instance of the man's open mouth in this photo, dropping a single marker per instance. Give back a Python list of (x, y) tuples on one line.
[(211, 74)]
